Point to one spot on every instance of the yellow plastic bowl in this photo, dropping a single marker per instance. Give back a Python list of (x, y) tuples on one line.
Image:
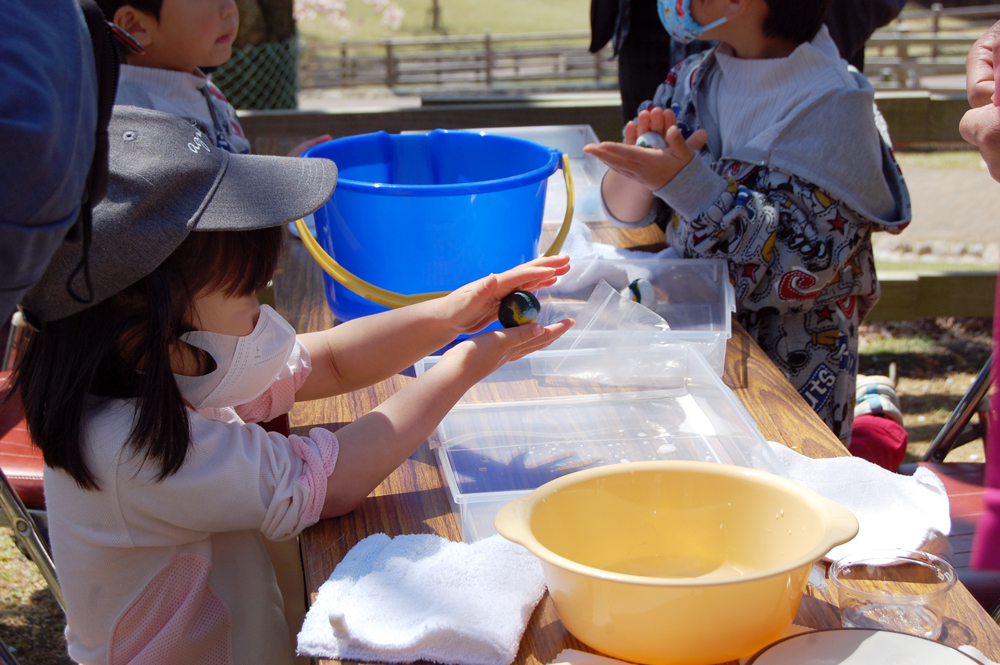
[(676, 562)]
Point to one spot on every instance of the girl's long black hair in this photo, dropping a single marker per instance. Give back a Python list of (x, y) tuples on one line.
[(120, 348)]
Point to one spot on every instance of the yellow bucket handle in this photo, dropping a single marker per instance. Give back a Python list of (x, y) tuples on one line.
[(394, 300)]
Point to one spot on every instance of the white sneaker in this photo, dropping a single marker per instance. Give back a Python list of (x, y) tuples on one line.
[(876, 395)]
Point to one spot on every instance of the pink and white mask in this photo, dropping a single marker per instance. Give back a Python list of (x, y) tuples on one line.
[(246, 366)]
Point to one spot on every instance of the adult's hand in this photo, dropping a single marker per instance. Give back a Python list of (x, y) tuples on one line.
[(980, 71), (981, 128), (981, 125)]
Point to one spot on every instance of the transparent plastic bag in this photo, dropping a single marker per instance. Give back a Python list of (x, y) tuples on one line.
[(612, 322)]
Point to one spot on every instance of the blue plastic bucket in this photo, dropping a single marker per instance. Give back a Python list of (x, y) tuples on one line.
[(419, 213)]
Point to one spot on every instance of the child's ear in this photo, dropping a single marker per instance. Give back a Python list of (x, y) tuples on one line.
[(136, 23), (736, 7)]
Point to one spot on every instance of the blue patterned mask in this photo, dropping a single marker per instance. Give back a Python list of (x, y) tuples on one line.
[(676, 18)]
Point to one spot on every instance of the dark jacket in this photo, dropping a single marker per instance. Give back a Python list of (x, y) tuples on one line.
[(852, 22), (48, 118)]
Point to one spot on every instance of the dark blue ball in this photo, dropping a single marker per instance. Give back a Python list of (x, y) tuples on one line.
[(518, 309)]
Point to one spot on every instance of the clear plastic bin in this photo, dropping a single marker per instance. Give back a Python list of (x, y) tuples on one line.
[(694, 296), (525, 425), (587, 170)]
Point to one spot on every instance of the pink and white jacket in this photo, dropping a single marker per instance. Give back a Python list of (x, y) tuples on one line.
[(175, 570)]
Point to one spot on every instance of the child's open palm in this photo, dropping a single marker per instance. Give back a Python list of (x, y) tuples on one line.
[(483, 354), (474, 306), (650, 167)]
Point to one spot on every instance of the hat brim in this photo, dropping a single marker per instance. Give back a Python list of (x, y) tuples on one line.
[(257, 191)]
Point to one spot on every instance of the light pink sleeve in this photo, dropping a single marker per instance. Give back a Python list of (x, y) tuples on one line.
[(280, 397), (297, 504), (236, 477)]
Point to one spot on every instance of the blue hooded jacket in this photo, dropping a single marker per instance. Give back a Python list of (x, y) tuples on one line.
[(48, 119)]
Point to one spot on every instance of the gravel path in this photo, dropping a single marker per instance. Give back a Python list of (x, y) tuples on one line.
[(956, 212)]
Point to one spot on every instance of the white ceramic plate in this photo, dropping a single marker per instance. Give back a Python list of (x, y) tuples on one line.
[(858, 647)]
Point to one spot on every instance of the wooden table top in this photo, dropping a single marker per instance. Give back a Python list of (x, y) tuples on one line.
[(414, 498)]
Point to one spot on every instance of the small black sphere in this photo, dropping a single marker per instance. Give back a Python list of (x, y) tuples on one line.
[(519, 308)]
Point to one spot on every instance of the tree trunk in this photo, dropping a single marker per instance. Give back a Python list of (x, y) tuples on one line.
[(264, 21), (262, 74)]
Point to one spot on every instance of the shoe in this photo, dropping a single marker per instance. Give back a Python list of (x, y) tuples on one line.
[(876, 395)]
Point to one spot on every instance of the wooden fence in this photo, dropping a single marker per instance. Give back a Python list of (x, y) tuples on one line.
[(926, 43), (919, 44), (902, 60), (559, 61)]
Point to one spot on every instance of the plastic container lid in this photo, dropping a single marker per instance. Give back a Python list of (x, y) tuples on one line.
[(525, 425)]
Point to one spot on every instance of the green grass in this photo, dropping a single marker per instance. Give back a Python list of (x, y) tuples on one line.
[(464, 17), (459, 17), (894, 346), (922, 266)]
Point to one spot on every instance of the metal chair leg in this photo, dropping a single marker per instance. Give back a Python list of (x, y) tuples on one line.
[(6, 657), (947, 438), (17, 328), (24, 531)]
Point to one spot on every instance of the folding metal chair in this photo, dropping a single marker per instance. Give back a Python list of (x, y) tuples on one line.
[(954, 433), (26, 532), (965, 483)]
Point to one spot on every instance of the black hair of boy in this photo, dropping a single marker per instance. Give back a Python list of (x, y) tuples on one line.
[(151, 7), (797, 20)]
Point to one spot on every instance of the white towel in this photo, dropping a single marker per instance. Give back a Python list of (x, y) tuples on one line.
[(893, 511), (422, 597)]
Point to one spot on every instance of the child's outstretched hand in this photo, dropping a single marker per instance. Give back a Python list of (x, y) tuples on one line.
[(651, 168), (483, 354), (475, 306)]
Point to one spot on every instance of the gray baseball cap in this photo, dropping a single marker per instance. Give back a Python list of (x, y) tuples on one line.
[(166, 181)]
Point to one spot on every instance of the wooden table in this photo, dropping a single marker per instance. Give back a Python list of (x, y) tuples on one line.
[(413, 499)]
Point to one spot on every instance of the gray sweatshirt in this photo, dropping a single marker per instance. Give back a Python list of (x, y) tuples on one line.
[(792, 211)]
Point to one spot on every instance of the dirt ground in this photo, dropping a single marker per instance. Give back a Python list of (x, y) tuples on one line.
[(31, 622), (937, 360)]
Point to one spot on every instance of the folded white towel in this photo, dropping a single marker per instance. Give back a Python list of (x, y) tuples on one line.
[(422, 597), (893, 511)]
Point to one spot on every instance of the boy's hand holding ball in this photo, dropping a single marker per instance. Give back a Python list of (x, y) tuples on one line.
[(650, 167)]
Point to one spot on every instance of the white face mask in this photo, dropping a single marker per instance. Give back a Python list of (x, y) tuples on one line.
[(245, 366)]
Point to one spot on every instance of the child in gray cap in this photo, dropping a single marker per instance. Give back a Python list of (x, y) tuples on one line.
[(142, 382)]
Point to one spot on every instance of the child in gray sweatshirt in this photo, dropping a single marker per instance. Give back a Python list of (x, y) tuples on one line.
[(774, 162)]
